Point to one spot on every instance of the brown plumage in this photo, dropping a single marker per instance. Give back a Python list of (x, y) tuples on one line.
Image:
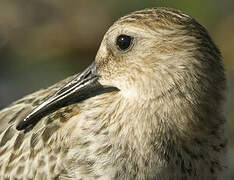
[(154, 109)]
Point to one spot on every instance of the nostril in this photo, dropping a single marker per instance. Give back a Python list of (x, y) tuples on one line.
[(87, 75)]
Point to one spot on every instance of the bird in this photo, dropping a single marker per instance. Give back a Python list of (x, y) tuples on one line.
[(149, 107)]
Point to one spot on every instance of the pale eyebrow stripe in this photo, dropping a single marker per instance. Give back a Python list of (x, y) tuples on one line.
[(128, 29)]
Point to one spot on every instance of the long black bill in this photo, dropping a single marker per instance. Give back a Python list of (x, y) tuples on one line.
[(83, 86)]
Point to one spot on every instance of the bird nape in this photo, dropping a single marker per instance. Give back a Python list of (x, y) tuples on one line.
[(149, 107)]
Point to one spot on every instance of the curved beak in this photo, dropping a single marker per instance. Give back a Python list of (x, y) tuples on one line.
[(83, 86)]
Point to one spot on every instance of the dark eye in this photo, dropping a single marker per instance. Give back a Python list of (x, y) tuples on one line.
[(124, 42)]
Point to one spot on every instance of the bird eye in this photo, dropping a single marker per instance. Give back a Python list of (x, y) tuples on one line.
[(124, 42)]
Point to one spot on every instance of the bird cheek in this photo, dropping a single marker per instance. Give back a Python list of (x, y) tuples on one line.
[(131, 93)]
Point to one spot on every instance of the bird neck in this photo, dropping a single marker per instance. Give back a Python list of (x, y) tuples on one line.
[(152, 135)]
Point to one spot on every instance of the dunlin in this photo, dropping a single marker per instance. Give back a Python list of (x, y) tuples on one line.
[(149, 108)]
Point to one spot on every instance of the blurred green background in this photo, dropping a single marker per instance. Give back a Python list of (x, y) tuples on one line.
[(44, 41)]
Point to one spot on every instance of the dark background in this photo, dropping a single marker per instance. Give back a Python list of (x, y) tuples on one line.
[(44, 41)]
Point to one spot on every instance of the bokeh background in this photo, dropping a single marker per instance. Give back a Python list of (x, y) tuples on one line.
[(44, 41)]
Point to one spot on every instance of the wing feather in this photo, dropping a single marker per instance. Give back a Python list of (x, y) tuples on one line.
[(21, 155)]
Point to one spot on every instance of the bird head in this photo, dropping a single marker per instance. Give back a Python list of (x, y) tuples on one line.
[(154, 52), (146, 55)]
